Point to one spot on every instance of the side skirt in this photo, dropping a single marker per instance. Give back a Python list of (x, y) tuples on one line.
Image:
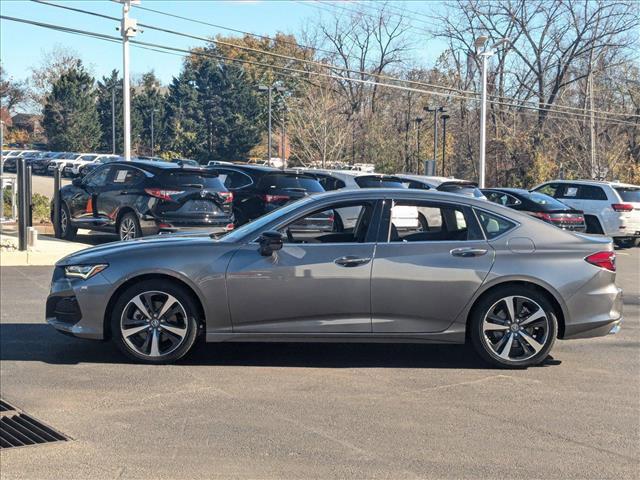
[(445, 337)]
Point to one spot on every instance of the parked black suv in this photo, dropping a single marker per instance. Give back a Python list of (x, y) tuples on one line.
[(139, 198), (258, 190)]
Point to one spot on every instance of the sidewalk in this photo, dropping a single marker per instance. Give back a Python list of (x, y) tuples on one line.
[(48, 251)]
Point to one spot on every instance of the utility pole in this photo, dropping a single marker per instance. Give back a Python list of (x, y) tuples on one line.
[(592, 129), (444, 117), (113, 119), (418, 121), (283, 136), (128, 29), (152, 138), (481, 42)]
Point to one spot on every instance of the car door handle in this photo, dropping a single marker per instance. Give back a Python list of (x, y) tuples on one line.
[(468, 252), (351, 261)]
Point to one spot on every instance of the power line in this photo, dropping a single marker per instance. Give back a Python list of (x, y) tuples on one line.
[(298, 71), (546, 107)]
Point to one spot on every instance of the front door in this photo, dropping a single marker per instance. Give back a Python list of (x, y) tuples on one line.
[(318, 283), (420, 274), (83, 205)]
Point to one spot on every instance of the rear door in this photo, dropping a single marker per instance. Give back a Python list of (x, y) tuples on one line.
[(422, 276), (125, 187)]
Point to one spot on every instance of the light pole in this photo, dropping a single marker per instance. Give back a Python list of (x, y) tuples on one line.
[(128, 29), (435, 111), (418, 121), (113, 117), (153, 144), (444, 117), (269, 89), (480, 43)]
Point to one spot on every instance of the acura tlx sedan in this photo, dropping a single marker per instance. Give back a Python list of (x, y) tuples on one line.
[(471, 271)]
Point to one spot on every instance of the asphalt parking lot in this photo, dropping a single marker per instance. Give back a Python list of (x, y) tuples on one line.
[(322, 410)]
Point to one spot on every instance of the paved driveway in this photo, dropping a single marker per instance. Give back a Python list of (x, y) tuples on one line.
[(320, 411)]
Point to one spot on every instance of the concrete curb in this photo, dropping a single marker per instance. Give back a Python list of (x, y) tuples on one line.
[(47, 252)]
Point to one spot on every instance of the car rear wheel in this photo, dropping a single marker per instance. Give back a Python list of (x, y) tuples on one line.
[(155, 322), (65, 230), (129, 227), (513, 327)]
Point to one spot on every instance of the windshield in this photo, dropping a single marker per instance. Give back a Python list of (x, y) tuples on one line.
[(379, 182), (260, 222), (629, 194), (545, 201)]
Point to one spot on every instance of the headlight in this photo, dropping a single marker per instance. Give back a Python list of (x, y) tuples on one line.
[(84, 271)]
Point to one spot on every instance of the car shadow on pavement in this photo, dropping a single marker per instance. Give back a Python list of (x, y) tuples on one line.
[(41, 343)]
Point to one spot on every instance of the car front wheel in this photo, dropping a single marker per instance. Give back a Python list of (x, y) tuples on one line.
[(513, 327), (155, 322), (129, 227)]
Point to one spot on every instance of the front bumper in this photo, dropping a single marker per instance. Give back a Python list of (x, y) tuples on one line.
[(77, 306)]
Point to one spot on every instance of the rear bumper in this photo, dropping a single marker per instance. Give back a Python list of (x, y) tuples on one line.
[(152, 225), (594, 312)]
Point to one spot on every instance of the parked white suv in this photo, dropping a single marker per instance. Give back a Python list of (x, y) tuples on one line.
[(610, 208)]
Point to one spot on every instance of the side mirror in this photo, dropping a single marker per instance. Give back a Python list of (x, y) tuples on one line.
[(270, 242), (77, 182)]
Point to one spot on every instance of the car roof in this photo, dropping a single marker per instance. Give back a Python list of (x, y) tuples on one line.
[(432, 179), (157, 167), (520, 191), (590, 182)]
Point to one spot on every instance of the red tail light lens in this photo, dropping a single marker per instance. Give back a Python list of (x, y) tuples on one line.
[(606, 260), (622, 207), (162, 193), (542, 216), (275, 198), (227, 197)]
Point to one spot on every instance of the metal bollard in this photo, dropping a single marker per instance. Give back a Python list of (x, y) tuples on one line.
[(32, 238), (56, 203), (22, 205), (29, 195)]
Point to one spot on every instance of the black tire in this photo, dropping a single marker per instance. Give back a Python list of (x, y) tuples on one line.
[(129, 227), (624, 242), (483, 342), (65, 230), (189, 321)]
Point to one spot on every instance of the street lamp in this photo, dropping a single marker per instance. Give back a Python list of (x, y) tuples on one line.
[(269, 89), (153, 110), (113, 117), (444, 117), (418, 121), (480, 44), (435, 111)]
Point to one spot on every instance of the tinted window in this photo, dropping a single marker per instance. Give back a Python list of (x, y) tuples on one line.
[(378, 182), (99, 177), (88, 157), (127, 176), (502, 198), (591, 192), (545, 201), (494, 225), (629, 194), (233, 179), (416, 185), (288, 181), (462, 189), (330, 183), (191, 179)]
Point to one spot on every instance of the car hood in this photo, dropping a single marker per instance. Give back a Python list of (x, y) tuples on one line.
[(102, 253)]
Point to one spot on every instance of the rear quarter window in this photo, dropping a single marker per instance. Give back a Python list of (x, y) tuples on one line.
[(629, 194), (494, 225)]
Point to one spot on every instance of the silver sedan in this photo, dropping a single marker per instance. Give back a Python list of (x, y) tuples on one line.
[(468, 271)]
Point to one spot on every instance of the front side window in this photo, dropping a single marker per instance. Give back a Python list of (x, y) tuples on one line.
[(330, 225), (550, 189), (493, 225), (127, 176), (416, 221)]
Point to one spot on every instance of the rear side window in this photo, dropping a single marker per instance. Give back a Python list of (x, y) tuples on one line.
[(493, 225), (284, 181), (629, 194), (127, 176), (192, 179), (591, 192), (366, 181), (502, 198)]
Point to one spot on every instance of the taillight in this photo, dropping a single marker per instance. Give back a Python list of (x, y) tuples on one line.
[(227, 197), (542, 216), (606, 260), (275, 198), (163, 193), (622, 207)]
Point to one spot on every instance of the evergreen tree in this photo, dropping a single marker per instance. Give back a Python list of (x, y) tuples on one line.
[(109, 86), (149, 103), (182, 115), (71, 119)]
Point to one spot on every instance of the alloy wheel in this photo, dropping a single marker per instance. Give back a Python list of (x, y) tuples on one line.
[(515, 328), (154, 324), (127, 229), (63, 222)]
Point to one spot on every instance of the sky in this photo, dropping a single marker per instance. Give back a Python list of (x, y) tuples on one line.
[(22, 46)]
